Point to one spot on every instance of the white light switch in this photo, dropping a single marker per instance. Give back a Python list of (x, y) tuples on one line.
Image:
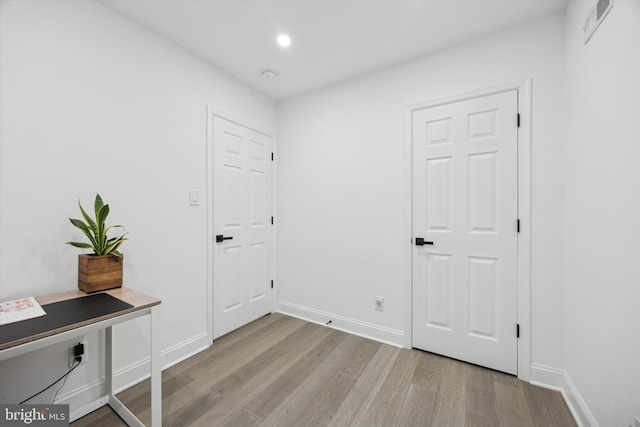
[(194, 197)]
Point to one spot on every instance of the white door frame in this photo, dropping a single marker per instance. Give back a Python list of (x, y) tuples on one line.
[(523, 87), (211, 113)]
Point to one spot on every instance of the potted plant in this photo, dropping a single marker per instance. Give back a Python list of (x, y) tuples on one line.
[(102, 269)]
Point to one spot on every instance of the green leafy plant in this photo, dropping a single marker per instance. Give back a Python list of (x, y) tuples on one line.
[(96, 231)]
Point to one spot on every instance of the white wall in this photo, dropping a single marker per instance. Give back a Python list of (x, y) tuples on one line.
[(343, 192), (94, 103), (602, 233)]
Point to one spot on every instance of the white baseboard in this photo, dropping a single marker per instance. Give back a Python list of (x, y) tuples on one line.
[(559, 380), (184, 350), (90, 397), (87, 409), (356, 327), (576, 404), (547, 377)]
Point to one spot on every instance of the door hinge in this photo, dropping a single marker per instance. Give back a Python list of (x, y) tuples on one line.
[(272, 284), (517, 225), (272, 157), (518, 119), (271, 220), (517, 330)]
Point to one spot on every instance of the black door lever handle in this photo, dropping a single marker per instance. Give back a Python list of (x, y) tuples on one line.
[(221, 238), (421, 242)]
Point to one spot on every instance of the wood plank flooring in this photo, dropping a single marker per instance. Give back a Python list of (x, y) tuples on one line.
[(282, 371)]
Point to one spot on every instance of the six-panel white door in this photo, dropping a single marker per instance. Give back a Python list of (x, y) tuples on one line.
[(465, 203), (241, 222)]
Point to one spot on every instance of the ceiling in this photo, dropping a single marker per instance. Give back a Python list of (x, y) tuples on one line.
[(332, 40)]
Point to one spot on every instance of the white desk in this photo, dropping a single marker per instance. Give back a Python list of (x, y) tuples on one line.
[(142, 305)]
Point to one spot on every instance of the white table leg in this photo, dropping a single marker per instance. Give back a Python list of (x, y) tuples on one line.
[(156, 374), (108, 362), (112, 400)]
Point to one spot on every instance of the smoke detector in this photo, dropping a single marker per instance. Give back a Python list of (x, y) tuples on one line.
[(269, 75)]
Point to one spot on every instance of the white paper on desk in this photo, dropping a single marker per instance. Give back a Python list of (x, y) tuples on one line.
[(19, 309)]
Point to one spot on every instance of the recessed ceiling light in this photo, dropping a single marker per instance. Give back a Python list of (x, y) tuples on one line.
[(284, 40)]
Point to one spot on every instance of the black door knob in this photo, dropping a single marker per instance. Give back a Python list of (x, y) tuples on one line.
[(221, 238), (421, 242)]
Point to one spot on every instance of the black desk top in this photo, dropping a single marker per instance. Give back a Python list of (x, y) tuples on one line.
[(63, 313)]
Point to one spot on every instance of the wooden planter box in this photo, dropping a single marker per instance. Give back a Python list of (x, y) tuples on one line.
[(99, 272)]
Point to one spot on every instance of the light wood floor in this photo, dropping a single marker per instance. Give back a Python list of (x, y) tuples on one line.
[(282, 371)]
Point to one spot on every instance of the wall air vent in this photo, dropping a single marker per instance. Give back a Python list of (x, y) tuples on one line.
[(595, 18)]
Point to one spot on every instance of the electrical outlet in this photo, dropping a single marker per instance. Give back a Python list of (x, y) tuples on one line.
[(379, 303), (72, 355)]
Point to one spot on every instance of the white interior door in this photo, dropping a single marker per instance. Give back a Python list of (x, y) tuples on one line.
[(241, 222), (465, 194)]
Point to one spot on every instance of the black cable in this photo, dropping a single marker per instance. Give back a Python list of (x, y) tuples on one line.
[(55, 382), (66, 377)]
